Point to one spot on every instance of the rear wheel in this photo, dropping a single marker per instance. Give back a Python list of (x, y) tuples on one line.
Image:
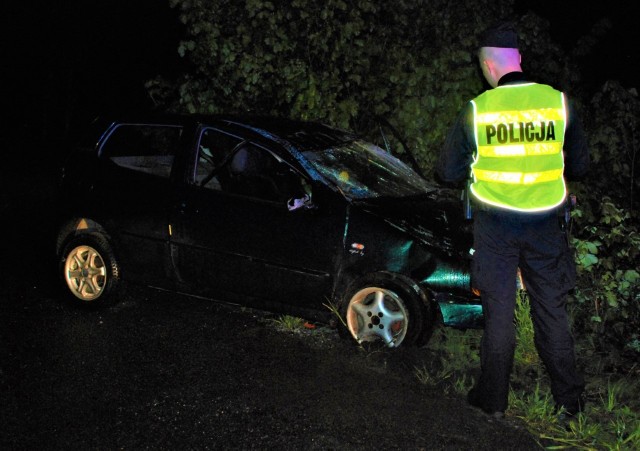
[(384, 309), (90, 271)]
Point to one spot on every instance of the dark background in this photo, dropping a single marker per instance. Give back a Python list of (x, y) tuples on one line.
[(67, 62), (71, 61), (615, 57)]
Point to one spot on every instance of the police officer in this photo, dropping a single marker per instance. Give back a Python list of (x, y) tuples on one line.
[(519, 142)]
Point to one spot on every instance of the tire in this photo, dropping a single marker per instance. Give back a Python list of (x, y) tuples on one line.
[(384, 309), (90, 272)]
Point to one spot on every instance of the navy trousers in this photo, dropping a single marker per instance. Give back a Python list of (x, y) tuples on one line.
[(535, 243)]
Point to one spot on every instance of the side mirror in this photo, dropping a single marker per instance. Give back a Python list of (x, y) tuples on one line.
[(301, 195), (303, 202)]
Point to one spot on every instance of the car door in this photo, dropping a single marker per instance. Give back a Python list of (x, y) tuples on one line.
[(232, 232), (133, 195)]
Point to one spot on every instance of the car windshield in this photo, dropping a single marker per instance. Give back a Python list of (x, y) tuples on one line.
[(362, 170)]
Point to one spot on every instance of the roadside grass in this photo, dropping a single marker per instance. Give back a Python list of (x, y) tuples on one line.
[(335, 311), (611, 420), (288, 323)]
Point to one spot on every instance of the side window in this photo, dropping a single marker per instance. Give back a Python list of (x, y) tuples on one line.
[(145, 148), (214, 150), (231, 165), (256, 172)]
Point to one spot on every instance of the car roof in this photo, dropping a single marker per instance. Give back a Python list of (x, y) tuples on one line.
[(303, 135)]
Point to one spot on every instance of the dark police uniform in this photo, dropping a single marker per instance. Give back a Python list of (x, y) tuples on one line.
[(505, 240)]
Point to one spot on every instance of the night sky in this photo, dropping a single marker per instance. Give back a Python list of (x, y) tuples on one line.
[(70, 61)]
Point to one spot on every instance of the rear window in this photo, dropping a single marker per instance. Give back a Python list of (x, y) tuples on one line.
[(143, 147)]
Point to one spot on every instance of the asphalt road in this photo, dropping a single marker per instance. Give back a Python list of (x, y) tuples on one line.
[(163, 371)]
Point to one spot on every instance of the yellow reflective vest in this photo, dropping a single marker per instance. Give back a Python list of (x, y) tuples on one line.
[(519, 133)]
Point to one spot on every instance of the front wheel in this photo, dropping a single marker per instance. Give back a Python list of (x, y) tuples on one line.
[(90, 271), (387, 310)]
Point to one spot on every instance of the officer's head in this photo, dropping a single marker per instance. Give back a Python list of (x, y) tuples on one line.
[(498, 52)]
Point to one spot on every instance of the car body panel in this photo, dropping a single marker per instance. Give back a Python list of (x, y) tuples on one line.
[(220, 238)]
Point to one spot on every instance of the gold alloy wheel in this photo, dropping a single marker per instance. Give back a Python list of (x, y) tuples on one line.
[(85, 273)]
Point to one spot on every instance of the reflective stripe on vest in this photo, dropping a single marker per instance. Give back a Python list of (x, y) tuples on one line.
[(519, 132)]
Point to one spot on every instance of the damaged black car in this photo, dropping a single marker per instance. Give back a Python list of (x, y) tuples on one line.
[(285, 216)]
